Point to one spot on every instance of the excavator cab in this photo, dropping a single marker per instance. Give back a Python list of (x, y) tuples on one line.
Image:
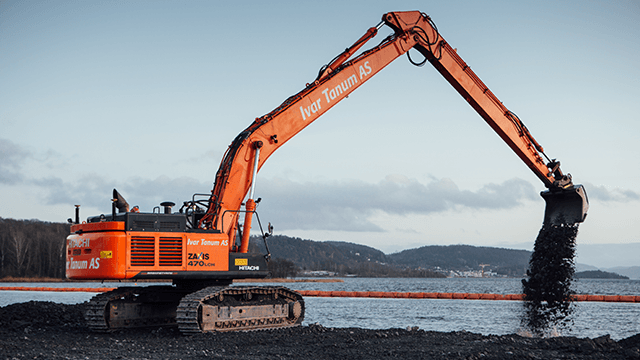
[(565, 206)]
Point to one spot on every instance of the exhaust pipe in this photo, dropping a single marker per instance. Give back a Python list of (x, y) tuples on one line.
[(167, 205), (77, 214), (565, 206)]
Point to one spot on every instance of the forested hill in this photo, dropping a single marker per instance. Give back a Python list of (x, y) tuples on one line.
[(319, 255), (598, 274), (315, 255), (459, 257)]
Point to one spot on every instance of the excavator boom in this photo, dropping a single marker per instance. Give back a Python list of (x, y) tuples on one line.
[(336, 80)]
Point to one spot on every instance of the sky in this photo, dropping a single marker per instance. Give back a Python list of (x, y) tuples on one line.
[(145, 97)]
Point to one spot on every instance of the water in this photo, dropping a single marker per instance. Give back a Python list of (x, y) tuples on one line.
[(620, 320), (591, 319)]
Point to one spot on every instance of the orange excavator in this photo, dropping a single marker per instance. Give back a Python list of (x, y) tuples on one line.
[(202, 247)]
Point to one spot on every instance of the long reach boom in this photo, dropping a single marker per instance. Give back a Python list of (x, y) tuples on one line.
[(336, 80)]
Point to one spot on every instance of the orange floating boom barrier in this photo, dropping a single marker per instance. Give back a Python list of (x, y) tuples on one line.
[(378, 294), (458, 296)]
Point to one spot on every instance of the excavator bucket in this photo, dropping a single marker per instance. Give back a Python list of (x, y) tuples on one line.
[(566, 206)]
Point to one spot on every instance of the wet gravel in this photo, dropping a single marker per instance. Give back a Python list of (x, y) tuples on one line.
[(547, 289), (45, 330)]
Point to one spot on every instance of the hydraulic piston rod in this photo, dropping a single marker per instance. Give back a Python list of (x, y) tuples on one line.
[(250, 206)]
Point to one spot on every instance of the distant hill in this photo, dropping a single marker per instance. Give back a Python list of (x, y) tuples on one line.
[(598, 274), (585, 267), (464, 257), (314, 255), (633, 272), (607, 256), (337, 256), (360, 251), (344, 256)]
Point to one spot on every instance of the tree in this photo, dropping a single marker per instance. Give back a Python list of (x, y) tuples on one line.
[(282, 268), (19, 244), (32, 248)]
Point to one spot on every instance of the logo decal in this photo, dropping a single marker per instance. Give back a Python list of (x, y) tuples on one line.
[(201, 256)]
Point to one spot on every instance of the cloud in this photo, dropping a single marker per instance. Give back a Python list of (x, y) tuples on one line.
[(12, 156), (88, 190), (96, 191), (334, 206), (603, 193), (338, 206), (148, 193), (347, 206)]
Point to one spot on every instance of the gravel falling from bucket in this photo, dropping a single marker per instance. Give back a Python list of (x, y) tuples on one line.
[(547, 289)]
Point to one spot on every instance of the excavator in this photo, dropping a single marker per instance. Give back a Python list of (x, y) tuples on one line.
[(202, 247)]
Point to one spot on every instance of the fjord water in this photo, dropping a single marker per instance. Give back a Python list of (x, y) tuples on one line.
[(591, 319)]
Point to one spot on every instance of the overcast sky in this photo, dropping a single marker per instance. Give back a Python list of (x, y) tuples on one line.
[(145, 97)]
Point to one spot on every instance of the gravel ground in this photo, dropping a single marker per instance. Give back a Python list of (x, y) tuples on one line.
[(45, 330)]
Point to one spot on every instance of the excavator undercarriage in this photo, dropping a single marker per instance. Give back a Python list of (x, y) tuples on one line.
[(213, 308)]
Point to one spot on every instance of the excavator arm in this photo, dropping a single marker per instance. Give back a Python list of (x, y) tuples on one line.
[(565, 202), (253, 146)]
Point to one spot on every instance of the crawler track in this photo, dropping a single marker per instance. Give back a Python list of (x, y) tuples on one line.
[(239, 309), (214, 308), (130, 307), (96, 310)]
